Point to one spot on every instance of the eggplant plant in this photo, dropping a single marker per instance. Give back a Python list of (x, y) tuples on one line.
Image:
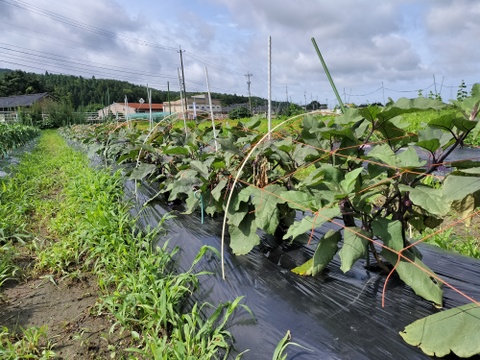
[(362, 171), (15, 135)]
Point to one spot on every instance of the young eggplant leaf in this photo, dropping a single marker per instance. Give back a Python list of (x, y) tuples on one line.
[(455, 330)]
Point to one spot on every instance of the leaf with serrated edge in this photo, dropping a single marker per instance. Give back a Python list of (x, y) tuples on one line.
[(267, 214), (455, 330)]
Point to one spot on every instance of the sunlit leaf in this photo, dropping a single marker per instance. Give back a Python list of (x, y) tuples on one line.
[(348, 184), (455, 330), (326, 250), (243, 238), (427, 198), (458, 187), (267, 214), (309, 223)]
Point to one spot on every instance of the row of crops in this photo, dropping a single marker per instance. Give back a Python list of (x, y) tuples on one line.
[(15, 135), (362, 171)]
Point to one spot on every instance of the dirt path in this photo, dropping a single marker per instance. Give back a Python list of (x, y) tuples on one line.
[(67, 310)]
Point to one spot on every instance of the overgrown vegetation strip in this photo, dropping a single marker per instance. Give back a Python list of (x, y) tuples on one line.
[(72, 221)]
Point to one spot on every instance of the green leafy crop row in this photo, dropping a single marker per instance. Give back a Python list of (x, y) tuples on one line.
[(366, 173)]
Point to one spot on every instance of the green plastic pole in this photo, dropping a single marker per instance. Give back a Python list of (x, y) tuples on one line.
[(340, 102)]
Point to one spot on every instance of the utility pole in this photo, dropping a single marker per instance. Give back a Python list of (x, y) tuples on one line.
[(248, 76), (182, 82), (286, 92)]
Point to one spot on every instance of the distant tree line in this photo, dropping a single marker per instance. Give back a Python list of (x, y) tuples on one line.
[(91, 94)]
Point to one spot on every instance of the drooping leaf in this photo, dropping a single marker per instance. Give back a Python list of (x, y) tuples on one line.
[(414, 273), (427, 198), (243, 238), (217, 190), (185, 183), (455, 330), (191, 202), (354, 247), (142, 171), (267, 214), (458, 187), (309, 223), (464, 125), (227, 145), (326, 250)]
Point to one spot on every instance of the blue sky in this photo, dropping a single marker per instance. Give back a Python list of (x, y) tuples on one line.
[(375, 49)]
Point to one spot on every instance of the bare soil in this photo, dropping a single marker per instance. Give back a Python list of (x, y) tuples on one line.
[(67, 309)]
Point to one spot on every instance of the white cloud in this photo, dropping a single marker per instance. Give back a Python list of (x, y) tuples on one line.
[(365, 43)]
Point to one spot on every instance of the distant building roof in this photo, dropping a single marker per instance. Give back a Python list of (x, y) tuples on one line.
[(145, 106), (21, 100)]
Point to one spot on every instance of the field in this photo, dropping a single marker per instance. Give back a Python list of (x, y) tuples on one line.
[(383, 176)]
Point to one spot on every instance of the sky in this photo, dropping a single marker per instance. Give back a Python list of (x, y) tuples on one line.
[(374, 49)]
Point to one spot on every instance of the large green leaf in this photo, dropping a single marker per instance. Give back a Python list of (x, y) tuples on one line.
[(243, 238), (142, 171), (455, 330), (431, 145), (414, 273), (420, 103), (326, 250), (458, 187), (384, 154), (267, 214), (299, 200), (309, 223), (427, 198), (217, 190), (354, 247), (407, 159), (175, 150), (185, 183), (200, 167)]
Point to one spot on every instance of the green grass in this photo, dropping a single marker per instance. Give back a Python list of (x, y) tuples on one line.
[(86, 227), (467, 243)]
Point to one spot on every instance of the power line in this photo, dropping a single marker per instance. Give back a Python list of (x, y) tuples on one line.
[(83, 26)]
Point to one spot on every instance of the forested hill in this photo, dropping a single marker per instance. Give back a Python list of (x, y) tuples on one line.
[(89, 94)]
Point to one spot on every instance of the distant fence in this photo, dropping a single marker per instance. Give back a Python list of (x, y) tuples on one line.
[(9, 116)]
